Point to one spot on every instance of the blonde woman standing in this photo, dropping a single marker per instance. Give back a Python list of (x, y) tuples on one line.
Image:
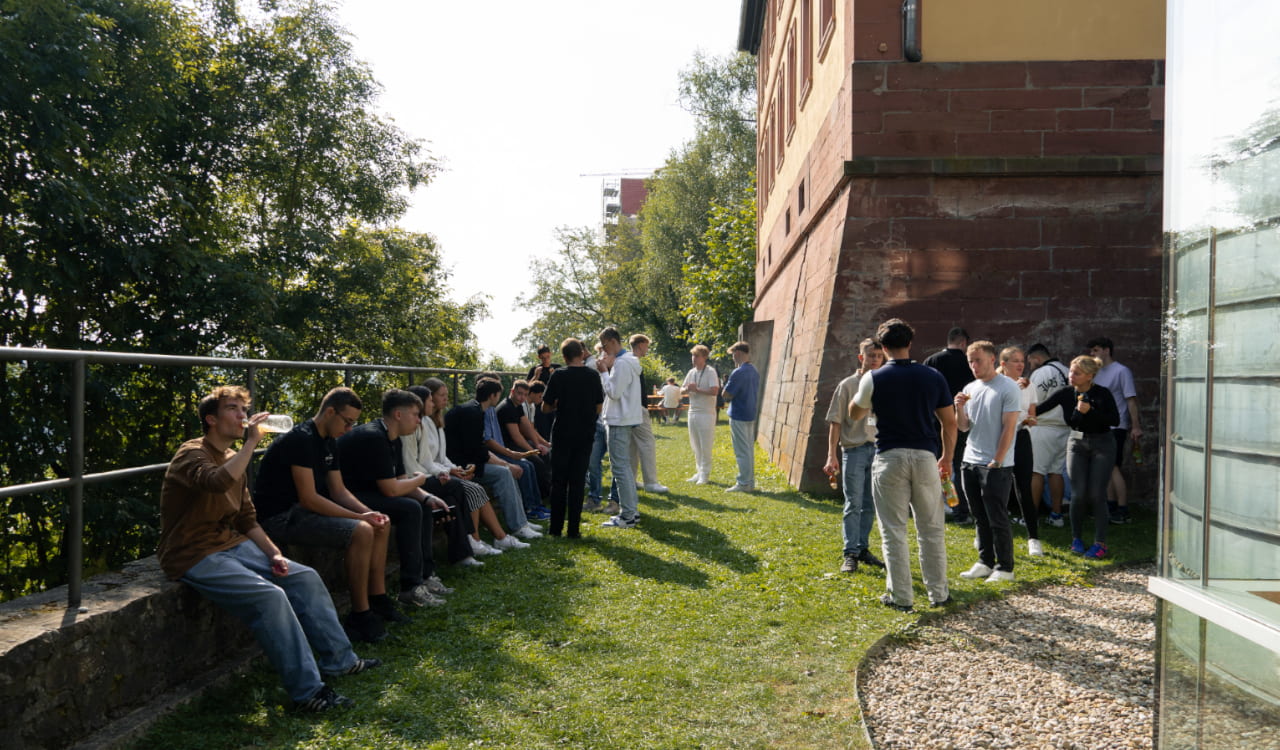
[(701, 385), (1090, 412)]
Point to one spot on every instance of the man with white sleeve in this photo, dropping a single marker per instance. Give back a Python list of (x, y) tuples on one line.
[(701, 385), (624, 409), (1050, 433)]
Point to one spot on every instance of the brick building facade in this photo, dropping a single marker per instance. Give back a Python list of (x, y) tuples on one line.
[(1020, 198)]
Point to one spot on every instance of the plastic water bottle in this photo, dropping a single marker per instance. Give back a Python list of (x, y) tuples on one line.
[(949, 492), (274, 423)]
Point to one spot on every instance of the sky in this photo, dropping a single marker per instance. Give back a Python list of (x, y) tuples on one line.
[(517, 100)]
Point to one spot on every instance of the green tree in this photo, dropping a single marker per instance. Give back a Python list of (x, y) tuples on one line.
[(567, 297), (717, 292)]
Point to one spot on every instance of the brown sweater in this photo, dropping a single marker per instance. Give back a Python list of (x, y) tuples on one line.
[(202, 508)]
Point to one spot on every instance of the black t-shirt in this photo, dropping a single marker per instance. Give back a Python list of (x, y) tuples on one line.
[(464, 436), (538, 372), (542, 422), (954, 366), (367, 456), (575, 392), (509, 412), (274, 491)]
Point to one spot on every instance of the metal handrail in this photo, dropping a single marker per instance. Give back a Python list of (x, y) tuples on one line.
[(75, 482)]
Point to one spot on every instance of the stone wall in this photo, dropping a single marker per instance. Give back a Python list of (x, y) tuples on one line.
[(1021, 200)]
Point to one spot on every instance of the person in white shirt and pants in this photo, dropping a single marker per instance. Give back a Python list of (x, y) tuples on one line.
[(623, 410), (702, 385)]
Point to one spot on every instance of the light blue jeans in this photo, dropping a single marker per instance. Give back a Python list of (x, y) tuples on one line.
[(859, 509), (624, 477), (289, 616), (595, 467), (498, 481), (744, 450)]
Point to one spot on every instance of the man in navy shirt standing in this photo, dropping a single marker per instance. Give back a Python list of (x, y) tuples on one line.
[(911, 456), (741, 390)]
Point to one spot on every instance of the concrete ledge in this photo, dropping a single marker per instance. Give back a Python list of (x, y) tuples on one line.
[(142, 645)]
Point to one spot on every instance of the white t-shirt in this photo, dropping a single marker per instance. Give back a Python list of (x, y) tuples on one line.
[(670, 396), (988, 403), (1048, 379), (702, 403)]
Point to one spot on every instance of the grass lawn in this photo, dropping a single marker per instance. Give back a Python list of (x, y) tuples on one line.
[(719, 622)]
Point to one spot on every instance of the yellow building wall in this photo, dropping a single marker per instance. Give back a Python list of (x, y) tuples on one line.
[(970, 30), (828, 75)]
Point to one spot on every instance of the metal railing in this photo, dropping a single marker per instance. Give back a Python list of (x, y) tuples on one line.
[(77, 479)]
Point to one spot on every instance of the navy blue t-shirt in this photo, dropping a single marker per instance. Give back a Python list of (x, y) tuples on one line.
[(904, 400)]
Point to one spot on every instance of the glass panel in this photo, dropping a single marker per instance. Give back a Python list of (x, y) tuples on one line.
[(1179, 673), (1241, 692)]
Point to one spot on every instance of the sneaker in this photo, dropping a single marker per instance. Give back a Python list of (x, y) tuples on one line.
[(534, 526), (740, 488), (480, 548), (365, 627), (620, 523), (592, 506), (703, 480), (382, 606), (537, 514), (866, 557), (524, 532), (612, 509), (1000, 576), (850, 564), (942, 603), (469, 562), (656, 488), (359, 666), (1055, 520), (695, 479), (1077, 546), (510, 542), (1121, 517), (1035, 548), (1017, 521), (977, 571), (419, 596), (437, 587), (887, 600), (1096, 552), (324, 699), (961, 519)]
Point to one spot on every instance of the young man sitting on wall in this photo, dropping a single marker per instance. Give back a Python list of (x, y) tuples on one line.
[(211, 541)]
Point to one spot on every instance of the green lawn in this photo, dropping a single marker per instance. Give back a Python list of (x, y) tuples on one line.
[(720, 622)]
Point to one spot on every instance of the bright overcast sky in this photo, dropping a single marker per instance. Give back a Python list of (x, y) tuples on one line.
[(517, 99)]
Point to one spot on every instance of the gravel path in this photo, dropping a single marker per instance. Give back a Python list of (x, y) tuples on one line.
[(1061, 667)]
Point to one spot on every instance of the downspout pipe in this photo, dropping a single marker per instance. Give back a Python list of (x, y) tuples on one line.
[(911, 31)]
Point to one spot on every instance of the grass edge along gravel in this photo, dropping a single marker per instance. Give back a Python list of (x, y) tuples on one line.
[(720, 622)]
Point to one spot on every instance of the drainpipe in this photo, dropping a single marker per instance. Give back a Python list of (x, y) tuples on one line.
[(911, 31)]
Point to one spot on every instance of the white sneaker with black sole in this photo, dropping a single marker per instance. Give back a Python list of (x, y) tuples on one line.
[(620, 523)]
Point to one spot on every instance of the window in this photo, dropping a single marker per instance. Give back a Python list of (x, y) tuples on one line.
[(800, 199), (806, 49), (791, 81), (826, 22)]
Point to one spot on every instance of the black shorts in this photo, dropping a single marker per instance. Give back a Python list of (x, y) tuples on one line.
[(1121, 436)]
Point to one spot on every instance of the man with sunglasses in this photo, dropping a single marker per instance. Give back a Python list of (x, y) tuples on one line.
[(301, 500)]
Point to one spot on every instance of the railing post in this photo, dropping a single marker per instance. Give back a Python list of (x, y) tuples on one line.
[(454, 379), (346, 378), (75, 526)]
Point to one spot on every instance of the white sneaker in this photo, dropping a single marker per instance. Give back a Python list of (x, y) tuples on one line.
[(436, 586), (740, 488), (702, 480), (655, 488), (695, 479), (1034, 548), (977, 571), (639, 485), (534, 526), (469, 562), (509, 542), (480, 549), (999, 576), (525, 532)]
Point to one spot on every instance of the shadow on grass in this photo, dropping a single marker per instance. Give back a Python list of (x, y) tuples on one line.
[(644, 565), (675, 500), (707, 543)]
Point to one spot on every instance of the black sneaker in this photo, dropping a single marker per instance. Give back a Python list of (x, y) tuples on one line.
[(383, 607), (887, 600), (867, 558), (359, 666), (942, 603), (324, 699), (365, 626), (960, 519), (1121, 517), (850, 564)]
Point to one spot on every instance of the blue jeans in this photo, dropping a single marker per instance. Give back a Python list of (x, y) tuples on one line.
[(595, 466), (859, 508), (289, 616), (624, 477), (498, 481), (528, 481), (744, 450)]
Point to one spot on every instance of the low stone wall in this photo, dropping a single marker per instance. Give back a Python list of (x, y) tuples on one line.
[(65, 675)]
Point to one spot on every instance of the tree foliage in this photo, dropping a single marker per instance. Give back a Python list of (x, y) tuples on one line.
[(718, 291), (192, 179)]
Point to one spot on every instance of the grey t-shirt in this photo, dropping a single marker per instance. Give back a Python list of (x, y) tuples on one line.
[(988, 403)]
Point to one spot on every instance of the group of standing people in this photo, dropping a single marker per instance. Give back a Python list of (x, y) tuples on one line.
[(898, 429)]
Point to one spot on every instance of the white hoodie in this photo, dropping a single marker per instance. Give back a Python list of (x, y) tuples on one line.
[(623, 404)]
